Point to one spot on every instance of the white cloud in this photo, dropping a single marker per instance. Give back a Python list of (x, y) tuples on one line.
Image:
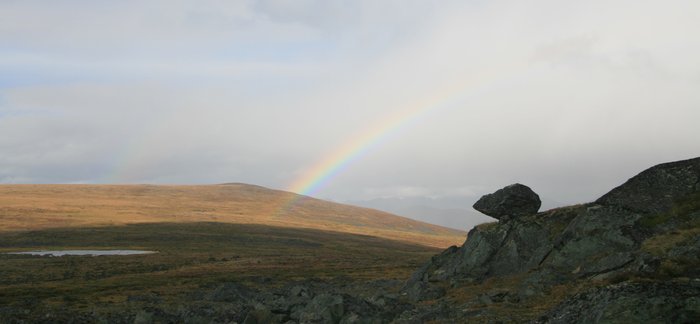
[(427, 192)]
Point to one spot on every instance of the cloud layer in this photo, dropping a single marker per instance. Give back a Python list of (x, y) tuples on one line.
[(568, 97)]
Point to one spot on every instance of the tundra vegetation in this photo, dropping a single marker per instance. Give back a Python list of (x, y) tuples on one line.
[(630, 256)]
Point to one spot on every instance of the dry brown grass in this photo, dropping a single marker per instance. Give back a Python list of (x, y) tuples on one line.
[(191, 255), (33, 207), (523, 310), (659, 245)]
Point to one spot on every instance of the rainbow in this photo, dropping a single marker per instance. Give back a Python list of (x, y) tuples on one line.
[(357, 146), (352, 150)]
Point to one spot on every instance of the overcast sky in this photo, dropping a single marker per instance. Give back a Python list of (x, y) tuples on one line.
[(568, 97)]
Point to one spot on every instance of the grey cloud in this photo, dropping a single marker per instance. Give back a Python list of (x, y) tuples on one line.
[(571, 98)]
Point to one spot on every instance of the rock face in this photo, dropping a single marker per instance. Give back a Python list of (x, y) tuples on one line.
[(631, 303), (656, 189), (648, 228), (510, 202)]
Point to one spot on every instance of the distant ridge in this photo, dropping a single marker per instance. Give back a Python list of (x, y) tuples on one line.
[(30, 207)]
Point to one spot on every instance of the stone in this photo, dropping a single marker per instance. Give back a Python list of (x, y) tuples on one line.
[(421, 291), (641, 302), (231, 292), (300, 291), (510, 202), (143, 317), (260, 316), (493, 296), (324, 308)]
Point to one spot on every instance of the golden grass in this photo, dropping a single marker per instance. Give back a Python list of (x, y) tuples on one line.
[(34, 207)]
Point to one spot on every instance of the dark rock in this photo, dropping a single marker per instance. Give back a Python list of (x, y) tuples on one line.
[(435, 269), (300, 291), (498, 296), (230, 292), (485, 299), (594, 242), (431, 313), (494, 296), (421, 290), (353, 318), (598, 241), (261, 315), (494, 249), (324, 308), (143, 317), (657, 188), (643, 302), (510, 202)]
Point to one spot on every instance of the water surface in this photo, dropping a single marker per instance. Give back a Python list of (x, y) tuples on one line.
[(84, 252)]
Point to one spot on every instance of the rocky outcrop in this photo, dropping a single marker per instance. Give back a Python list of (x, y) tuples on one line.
[(641, 302), (510, 202), (656, 189), (602, 241)]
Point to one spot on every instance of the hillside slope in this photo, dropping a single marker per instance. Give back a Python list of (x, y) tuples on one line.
[(32, 207), (632, 256)]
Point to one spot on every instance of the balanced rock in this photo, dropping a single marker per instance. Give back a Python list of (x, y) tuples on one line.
[(510, 202)]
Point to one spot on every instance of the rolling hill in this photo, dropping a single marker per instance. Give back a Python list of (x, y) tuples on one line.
[(217, 247), (35, 207), (247, 254)]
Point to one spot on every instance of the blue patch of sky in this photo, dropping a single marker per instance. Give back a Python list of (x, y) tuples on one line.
[(15, 78)]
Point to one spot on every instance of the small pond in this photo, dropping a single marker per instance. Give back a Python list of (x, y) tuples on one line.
[(84, 252)]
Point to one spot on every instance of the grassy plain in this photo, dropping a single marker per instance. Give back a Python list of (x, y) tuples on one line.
[(33, 207), (190, 256), (204, 236)]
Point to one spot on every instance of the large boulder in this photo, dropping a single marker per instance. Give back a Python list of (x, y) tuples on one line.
[(510, 202)]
